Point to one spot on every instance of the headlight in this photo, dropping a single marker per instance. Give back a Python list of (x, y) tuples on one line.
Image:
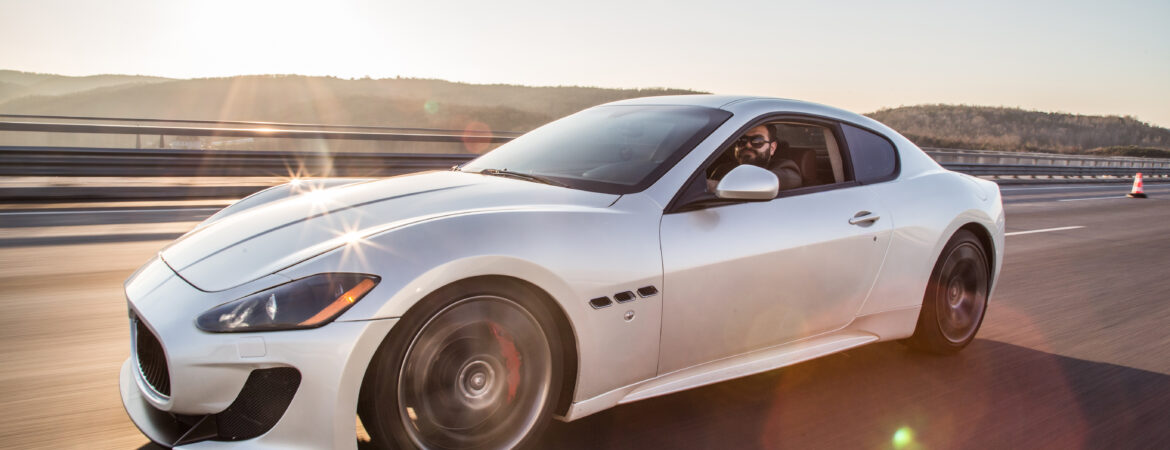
[(305, 303)]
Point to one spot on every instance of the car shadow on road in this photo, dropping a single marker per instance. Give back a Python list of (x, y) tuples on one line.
[(991, 395)]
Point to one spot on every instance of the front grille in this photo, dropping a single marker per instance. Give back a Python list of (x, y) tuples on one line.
[(152, 362), (261, 403)]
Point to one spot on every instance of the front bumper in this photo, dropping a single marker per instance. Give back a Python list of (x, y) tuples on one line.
[(209, 371)]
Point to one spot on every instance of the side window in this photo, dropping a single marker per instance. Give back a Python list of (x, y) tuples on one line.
[(807, 153), (804, 154), (815, 151), (874, 158)]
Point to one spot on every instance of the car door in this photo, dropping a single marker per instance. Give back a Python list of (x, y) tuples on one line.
[(745, 276)]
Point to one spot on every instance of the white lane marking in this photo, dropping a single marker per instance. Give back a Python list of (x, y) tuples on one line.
[(1096, 186), (1088, 198), (1036, 188), (1014, 233), (105, 211)]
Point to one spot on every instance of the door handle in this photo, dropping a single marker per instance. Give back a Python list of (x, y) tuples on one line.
[(864, 218)]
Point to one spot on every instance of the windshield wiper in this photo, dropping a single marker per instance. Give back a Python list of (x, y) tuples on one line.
[(521, 176)]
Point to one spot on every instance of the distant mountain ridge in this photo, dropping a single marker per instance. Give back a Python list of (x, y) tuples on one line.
[(14, 84), (401, 102), (412, 102), (1014, 129)]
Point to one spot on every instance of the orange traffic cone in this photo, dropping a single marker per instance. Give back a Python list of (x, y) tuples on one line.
[(1137, 191)]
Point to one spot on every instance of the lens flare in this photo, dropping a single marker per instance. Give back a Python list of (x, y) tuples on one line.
[(903, 438), (355, 244), (431, 107), (317, 195), (352, 237), (297, 174), (474, 135)]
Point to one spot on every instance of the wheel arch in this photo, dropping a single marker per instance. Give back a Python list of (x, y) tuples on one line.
[(565, 329), (928, 335), (984, 235)]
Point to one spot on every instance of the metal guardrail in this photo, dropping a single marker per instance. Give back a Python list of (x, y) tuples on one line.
[(1024, 170), (130, 162), (956, 156), (247, 123), (1015, 165), (163, 162), (247, 132)]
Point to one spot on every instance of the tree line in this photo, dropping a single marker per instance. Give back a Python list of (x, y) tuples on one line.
[(431, 103), (1013, 129)]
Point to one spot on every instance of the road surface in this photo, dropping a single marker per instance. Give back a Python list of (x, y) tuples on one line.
[(1074, 351)]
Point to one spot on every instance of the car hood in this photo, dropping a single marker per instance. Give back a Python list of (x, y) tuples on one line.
[(265, 239)]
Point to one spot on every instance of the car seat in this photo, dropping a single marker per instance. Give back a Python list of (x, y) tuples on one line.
[(805, 159)]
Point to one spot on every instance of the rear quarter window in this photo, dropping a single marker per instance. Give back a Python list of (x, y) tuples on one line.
[(874, 158)]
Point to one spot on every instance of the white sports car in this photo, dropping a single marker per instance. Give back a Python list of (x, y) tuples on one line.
[(627, 251)]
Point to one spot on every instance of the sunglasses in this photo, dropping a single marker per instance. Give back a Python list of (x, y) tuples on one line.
[(756, 142)]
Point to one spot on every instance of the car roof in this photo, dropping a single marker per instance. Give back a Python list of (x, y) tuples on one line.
[(739, 104), (721, 101), (707, 100)]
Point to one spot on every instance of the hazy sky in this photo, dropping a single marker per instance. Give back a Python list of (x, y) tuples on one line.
[(1088, 57)]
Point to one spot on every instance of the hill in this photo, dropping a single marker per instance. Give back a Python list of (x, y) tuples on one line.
[(14, 84), (1132, 150), (400, 102), (430, 103), (1013, 129)]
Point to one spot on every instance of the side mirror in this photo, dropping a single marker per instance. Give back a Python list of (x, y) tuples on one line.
[(748, 182)]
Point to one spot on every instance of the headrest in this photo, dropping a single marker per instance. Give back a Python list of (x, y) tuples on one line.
[(805, 159)]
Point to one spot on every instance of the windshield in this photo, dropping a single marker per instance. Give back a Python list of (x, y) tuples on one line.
[(612, 149)]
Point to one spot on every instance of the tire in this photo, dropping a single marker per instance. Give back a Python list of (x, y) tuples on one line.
[(956, 297), (476, 365)]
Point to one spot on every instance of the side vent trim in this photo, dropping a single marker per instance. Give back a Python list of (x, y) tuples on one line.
[(623, 297), (600, 302), (647, 291)]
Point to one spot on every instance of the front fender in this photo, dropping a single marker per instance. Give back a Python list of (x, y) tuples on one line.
[(574, 254)]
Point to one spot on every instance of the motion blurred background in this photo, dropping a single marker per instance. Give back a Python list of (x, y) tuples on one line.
[(1072, 353)]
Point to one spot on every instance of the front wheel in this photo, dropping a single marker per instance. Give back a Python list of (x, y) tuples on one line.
[(469, 368), (956, 297)]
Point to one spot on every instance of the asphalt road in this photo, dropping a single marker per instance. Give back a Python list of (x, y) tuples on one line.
[(1074, 351)]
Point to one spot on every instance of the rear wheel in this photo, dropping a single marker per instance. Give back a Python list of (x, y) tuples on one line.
[(471, 367), (956, 297)]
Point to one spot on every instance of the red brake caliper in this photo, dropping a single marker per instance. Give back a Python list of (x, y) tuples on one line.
[(511, 359)]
